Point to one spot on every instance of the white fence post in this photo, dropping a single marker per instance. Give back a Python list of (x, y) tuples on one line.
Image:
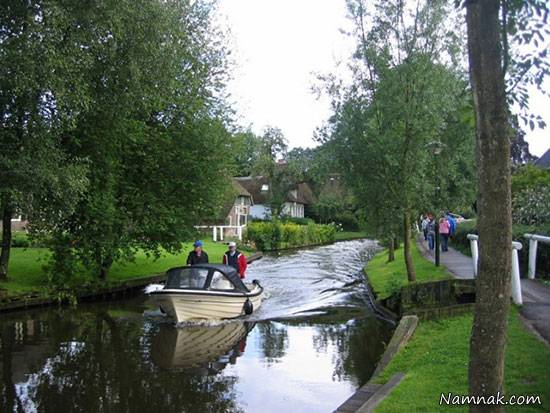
[(214, 234), (221, 233), (516, 282), (240, 233), (533, 245), (475, 251)]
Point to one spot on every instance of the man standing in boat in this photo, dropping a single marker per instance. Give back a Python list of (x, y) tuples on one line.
[(236, 259), (197, 256)]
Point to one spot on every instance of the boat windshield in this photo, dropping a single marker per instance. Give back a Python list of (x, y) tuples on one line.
[(187, 277), (220, 282)]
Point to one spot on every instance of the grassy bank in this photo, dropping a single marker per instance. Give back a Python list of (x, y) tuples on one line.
[(349, 235), (27, 274), (387, 277), (436, 361)]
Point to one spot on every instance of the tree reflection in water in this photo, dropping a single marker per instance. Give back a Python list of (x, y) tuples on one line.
[(108, 358)]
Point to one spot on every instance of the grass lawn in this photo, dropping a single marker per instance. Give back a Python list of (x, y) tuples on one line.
[(387, 277), (26, 274), (348, 235), (436, 361)]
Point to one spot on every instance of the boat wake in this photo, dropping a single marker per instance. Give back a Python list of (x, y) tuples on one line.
[(310, 281), (305, 282)]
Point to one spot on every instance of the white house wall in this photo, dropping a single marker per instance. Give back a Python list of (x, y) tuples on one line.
[(260, 211)]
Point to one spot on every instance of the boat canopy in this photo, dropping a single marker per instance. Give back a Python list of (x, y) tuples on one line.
[(205, 277)]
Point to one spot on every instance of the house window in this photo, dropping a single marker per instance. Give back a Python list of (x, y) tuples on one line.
[(265, 188)]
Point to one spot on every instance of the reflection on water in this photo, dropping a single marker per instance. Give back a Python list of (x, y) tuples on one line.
[(117, 357)]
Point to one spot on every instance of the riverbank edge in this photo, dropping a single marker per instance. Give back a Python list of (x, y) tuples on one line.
[(124, 289), (368, 396), (336, 241), (372, 393), (391, 377)]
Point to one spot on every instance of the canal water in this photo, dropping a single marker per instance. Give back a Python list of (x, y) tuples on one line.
[(313, 342)]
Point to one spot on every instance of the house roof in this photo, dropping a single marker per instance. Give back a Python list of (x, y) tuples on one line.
[(228, 202), (255, 184), (239, 189), (544, 160)]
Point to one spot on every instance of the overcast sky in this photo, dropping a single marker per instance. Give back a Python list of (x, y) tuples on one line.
[(279, 45)]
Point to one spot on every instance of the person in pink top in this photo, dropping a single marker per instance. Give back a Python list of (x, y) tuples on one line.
[(444, 232)]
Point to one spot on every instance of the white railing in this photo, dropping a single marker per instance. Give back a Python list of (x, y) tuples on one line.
[(533, 245), (220, 228), (516, 283)]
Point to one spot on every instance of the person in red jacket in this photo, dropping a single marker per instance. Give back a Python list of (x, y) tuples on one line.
[(236, 259)]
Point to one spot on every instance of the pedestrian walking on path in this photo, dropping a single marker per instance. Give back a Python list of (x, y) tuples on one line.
[(444, 233), (424, 225), (431, 232)]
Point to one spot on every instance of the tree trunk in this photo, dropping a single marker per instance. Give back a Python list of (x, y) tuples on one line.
[(7, 212), (104, 268), (391, 249), (411, 273), (488, 340)]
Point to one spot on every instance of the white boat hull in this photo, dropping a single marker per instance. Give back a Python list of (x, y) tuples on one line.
[(184, 306), (192, 346)]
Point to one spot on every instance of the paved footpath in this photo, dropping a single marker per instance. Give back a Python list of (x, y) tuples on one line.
[(536, 296)]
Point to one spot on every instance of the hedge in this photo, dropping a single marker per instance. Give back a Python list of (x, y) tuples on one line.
[(461, 243), (274, 235)]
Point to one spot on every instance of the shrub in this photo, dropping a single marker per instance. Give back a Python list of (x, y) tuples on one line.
[(530, 177), (531, 206), (298, 221), (276, 235), (20, 240)]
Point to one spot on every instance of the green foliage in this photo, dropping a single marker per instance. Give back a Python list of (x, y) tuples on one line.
[(298, 221), (20, 240), (332, 208), (529, 177), (532, 206), (274, 235), (405, 98), (143, 135)]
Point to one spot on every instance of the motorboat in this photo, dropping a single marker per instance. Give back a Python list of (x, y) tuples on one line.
[(207, 291)]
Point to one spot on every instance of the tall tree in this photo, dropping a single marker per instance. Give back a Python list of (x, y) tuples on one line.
[(489, 24), (41, 90), (404, 97), (152, 131)]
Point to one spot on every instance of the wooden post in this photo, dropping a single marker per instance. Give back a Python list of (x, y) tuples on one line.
[(214, 234), (221, 233)]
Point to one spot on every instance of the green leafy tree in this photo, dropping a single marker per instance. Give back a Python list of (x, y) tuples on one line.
[(153, 133), (41, 93), (281, 175), (404, 98)]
